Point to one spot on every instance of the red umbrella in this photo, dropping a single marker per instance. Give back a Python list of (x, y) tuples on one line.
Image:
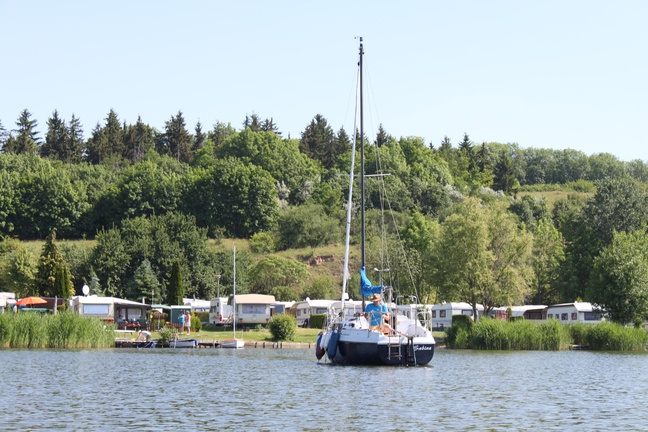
[(31, 301)]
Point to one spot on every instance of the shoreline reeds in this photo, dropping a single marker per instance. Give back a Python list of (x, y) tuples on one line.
[(494, 334), (63, 330)]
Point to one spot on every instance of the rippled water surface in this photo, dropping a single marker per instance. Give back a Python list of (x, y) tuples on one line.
[(266, 389)]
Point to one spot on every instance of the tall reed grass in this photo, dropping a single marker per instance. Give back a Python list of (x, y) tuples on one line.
[(63, 330), (493, 334)]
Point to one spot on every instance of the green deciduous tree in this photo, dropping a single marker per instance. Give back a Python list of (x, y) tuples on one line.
[(280, 157), (18, 267), (274, 271), (110, 261), (307, 225), (548, 256), (239, 198), (620, 278), (483, 257)]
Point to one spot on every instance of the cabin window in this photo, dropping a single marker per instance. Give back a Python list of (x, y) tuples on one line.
[(564, 316), (134, 313), (433, 314), (253, 309), (442, 314), (96, 309), (592, 316), (574, 316), (466, 312)]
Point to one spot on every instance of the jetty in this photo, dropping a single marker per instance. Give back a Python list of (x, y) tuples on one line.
[(217, 343)]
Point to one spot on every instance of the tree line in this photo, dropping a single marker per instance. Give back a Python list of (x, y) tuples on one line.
[(152, 197)]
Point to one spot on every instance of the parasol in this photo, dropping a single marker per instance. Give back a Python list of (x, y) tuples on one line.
[(31, 301)]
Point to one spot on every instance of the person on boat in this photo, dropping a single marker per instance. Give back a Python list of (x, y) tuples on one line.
[(143, 335), (377, 314)]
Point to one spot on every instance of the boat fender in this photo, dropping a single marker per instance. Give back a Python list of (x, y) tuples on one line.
[(326, 336), (319, 351), (332, 345)]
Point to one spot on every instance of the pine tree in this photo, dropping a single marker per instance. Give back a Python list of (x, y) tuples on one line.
[(56, 138), (114, 135), (97, 146), (50, 259), (175, 291), (26, 135), (138, 140), (269, 125), (4, 134), (62, 283), (199, 138), (176, 140), (382, 137), (73, 148), (317, 140)]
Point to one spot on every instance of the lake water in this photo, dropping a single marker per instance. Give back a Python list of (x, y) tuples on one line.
[(272, 389)]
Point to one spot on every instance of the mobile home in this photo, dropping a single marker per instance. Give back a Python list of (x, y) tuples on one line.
[(197, 305), (570, 313), (280, 307), (7, 300), (302, 310), (252, 309), (528, 312), (442, 313), (111, 309), (220, 313)]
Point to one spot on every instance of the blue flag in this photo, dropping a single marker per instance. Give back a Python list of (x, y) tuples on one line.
[(365, 285)]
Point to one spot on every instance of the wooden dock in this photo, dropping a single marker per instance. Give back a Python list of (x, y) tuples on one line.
[(217, 343)]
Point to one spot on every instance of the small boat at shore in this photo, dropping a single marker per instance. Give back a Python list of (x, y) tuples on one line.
[(183, 343), (234, 342)]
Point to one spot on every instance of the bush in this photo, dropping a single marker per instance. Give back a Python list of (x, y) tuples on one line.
[(458, 334), (166, 334), (262, 243), (283, 327), (196, 320), (317, 321), (579, 333)]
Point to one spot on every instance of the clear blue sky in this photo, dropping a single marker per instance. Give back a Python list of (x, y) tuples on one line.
[(543, 74)]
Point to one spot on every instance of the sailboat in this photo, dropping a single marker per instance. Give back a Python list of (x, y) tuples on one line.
[(349, 338), (234, 342)]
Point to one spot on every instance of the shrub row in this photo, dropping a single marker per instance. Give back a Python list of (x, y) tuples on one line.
[(493, 334)]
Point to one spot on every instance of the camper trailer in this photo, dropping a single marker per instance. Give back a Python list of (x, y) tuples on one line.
[(252, 309), (571, 313), (442, 313), (220, 313)]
